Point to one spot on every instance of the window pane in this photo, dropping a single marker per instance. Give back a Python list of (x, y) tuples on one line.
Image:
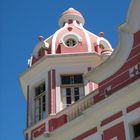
[(76, 91), (137, 130), (68, 91), (76, 94), (40, 89), (68, 100), (65, 79), (37, 91), (78, 79), (68, 96), (76, 98), (43, 103), (71, 79)]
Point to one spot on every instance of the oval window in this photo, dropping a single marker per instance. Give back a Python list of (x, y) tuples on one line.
[(70, 42)]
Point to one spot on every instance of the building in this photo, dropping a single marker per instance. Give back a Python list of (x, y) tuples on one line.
[(78, 88)]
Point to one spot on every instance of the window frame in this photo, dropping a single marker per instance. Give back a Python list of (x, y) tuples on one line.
[(39, 97), (72, 86), (72, 42), (133, 125)]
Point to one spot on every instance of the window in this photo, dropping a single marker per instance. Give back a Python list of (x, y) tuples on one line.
[(70, 42), (72, 79), (136, 129), (72, 89), (40, 102), (102, 46)]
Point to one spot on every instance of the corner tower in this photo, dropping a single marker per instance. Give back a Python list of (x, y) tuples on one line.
[(54, 80)]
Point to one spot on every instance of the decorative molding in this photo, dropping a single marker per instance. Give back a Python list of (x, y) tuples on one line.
[(120, 55), (55, 37), (49, 92), (111, 118), (87, 38), (114, 62), (133, 107), (53, 92), (38, 131), (86, 134)]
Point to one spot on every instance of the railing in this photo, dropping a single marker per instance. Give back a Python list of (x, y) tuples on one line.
[(72, 111), (76, 109)]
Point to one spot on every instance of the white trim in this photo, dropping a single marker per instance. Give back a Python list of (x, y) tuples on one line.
[(132, 23), (66, 17), (69, 35), (87, 38), (76, 25), (130, 118), (55, 36), (104, 42), (115, 61), (39, 46), (120, 55)]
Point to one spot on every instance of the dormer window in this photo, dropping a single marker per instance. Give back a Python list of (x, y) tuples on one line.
[(40, 102)]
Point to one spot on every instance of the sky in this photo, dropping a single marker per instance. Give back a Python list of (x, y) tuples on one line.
[(21, 22)]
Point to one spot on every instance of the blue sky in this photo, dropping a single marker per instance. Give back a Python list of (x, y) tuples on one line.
[(21, 22)]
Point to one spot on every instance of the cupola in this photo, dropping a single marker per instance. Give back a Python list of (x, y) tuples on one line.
[(70, 15)]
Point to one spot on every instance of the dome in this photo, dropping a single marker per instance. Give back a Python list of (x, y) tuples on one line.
[(71, 11), (71, 14), (72, 38)]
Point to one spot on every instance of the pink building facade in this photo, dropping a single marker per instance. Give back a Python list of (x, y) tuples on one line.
[(78, 88)]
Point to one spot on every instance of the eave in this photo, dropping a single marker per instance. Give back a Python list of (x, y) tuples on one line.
[(51, 60)]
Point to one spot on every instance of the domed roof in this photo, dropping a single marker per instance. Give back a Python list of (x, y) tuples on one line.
[(71, 14), (71, 11), (71, 38)]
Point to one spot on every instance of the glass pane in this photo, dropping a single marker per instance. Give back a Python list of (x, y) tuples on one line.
[(71, 80), (37, 91), (76, 91), (36, 118), (37, 111), (68, 100), (40, 89), (65, 79), (36, 103), (137, 130), (78, 79), (44, 103), (68, 91), (76, 98), (44, 98), (44, 114)]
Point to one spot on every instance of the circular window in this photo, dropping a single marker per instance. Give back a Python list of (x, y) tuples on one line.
[(70, 42)]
